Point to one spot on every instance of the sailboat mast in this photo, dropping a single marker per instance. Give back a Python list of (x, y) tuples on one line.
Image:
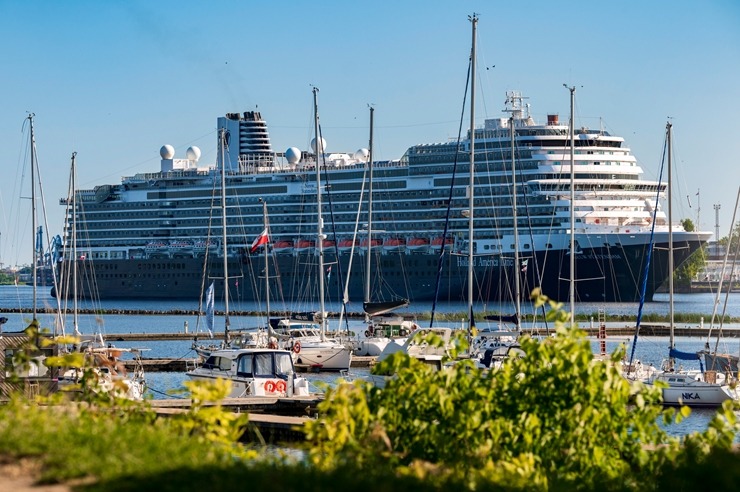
[(267, 263), (368, 260), (668, 130), (33, 210), (517, 286), (74, 245), (319, 221), (572, 286), (471, 194), (224, 246)]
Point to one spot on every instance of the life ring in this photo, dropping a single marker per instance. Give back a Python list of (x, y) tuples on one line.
[(367, 333), (280, 386), (297, 347)]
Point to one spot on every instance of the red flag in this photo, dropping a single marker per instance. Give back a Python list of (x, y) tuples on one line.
[(259, 241)]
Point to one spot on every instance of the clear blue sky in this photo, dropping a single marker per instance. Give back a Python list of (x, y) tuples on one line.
[(114, 81)]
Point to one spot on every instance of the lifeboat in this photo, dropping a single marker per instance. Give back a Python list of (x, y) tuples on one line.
[(201, 245), (180, 245), (437, 243), (305, 245), (394, 244), (283, 247), (345, 245), (328, 244), (376, 243), (418, 244), (156, 246)]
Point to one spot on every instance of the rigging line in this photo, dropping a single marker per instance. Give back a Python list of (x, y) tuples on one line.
[(730, 237), (327, 186), (537, 272), (648, 257), (440, 259)]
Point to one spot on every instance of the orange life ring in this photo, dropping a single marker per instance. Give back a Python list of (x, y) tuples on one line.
[(297, 347), (280, 386), (270, 387)]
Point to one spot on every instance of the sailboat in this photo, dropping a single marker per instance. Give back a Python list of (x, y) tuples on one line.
[(311, 347), (256, 370), (712, 358), (698, 388), (111, 376), (383, 327)]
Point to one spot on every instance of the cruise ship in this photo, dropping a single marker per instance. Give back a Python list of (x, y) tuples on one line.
[(158, 235)]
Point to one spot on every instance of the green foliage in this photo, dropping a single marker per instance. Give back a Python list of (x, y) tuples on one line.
[(691, 267), (688, 225), (555, 419), (207, 418)]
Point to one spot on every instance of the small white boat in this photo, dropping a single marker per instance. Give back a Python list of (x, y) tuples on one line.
[(253, 372), (694, 388), (309, 348)]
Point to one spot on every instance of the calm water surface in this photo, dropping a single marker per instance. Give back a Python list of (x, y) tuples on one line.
[(651, 350)]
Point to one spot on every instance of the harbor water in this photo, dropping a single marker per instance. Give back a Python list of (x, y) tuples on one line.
[(650, 350)]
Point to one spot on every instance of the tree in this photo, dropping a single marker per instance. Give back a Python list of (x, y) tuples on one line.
[(556, 419)]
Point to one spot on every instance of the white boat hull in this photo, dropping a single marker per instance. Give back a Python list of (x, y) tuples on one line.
[(687, 388), (324, 356)]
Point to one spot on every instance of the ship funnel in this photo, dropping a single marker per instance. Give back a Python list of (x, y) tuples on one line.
[(552, 119)]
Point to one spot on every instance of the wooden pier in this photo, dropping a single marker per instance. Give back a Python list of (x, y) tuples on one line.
[(275, 419)]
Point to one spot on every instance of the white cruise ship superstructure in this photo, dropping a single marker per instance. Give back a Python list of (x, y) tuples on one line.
[(157, 235)]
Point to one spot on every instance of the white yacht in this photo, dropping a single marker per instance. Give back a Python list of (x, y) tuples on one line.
[(253, 372)]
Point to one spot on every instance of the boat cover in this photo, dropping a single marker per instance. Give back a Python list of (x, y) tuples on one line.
[(378, 308)]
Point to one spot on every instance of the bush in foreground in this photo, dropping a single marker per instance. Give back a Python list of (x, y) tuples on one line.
[(555, 419)]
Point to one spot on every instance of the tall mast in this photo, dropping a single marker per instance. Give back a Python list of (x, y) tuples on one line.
[(74, 245), (319, 221), (517, 287), (572, 287), (471, 195), (668, 129), (267, 263), (368, 260), (33, 210), (224, 246)]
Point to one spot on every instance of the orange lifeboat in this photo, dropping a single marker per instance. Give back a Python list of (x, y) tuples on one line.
[(305, 245), (345, 245), (394, 244), (283, 247), (376, 243), (437, 243), (419, 244)]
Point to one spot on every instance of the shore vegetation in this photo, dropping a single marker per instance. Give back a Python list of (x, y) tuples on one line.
[(556, 418)]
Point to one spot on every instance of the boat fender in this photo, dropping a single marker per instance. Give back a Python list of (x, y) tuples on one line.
[(297, 347)]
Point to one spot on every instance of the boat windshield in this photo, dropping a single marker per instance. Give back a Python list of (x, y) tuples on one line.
[(265, 365), (283, 364)]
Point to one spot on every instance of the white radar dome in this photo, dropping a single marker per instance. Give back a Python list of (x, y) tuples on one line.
[(323, 146), (362, 155), (293, 155), (193, 153), (167, 152)]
